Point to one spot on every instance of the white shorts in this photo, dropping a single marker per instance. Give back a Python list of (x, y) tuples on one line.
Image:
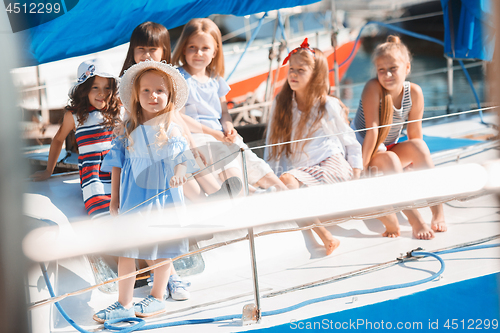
[(256, 166), (227, 156)]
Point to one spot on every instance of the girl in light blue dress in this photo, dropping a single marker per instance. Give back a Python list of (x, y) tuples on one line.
[(149, 161)]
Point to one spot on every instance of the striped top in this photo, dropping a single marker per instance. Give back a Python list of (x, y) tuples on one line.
[(94, 141), (399, 116)]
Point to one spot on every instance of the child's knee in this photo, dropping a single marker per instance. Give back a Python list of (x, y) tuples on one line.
[(290, 181), (419, 146), (286, 177), (387, 162)]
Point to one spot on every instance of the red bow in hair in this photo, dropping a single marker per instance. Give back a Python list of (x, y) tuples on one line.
[(304, 45)]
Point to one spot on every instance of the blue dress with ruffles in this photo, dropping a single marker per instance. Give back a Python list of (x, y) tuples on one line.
[(146, 169)]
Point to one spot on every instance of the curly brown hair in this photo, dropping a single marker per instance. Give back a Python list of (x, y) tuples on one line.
[(79, 103)]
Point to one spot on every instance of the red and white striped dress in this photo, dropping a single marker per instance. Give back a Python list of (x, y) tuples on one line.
[(94, 142)]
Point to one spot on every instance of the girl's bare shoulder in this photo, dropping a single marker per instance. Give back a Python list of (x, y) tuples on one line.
[(372, 85), (415, 89)]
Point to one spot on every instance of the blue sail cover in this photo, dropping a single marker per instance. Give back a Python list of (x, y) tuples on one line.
[(89, 26), (469, 29)]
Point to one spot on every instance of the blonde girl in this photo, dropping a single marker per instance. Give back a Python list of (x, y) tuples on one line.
[(388, 99), (303, 109), (151, 41), (92, 113), (149, 161), (199, 55)]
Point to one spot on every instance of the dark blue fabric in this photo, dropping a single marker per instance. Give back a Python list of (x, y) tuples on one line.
[(469, 29), (93, 26)]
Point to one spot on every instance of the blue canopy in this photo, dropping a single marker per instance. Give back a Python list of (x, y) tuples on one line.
[(89, 26), (469, 30)]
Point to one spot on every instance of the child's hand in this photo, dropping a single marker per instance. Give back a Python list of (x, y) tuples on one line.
[(230, 134), (177, 181), (113, 207), (219, 136), (40, 175)]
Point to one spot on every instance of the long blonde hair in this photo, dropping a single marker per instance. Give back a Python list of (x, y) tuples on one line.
[(199, 26), (136, 117), (392, 46), (282, 120)]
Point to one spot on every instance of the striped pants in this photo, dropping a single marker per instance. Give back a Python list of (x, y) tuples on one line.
[(334, 169)]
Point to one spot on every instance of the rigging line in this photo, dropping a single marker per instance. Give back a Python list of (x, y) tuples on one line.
[(192, 176), (412, 255), (376, 127), (444, 70), (484, 207), (416, 17), (304, 303), (268, 45), (132, 328), (419, 74), (207, 248), (282, 28), (469, 80), (430, 39), (395, 28), (54, 299), (454, 248), (254, 34), (242, 30)]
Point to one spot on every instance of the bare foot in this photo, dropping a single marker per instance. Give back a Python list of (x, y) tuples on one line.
[(391, 226), (438, 226), (422, 231), (437, 223), (391, 233), (331, 244)]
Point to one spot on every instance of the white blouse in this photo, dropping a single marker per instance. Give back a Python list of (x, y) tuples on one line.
[(334, 136)]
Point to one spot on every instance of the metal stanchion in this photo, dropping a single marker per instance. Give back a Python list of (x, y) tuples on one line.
[(251, 312)]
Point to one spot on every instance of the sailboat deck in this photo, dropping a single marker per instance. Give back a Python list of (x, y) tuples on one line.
[(285, 260)]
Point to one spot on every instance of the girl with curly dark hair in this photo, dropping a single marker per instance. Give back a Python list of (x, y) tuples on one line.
[(93, 111)]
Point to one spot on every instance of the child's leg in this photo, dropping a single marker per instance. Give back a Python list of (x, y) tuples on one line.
[(124, 307), (416, 151), (437, 223), (271, 179), (420, 229), (208, 183), (330, 242), (207, 180), (290, 181), (126, 286), (391, 225), (231, 172), (192, 191), (160, 282), (259, 172), (388, 163)]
